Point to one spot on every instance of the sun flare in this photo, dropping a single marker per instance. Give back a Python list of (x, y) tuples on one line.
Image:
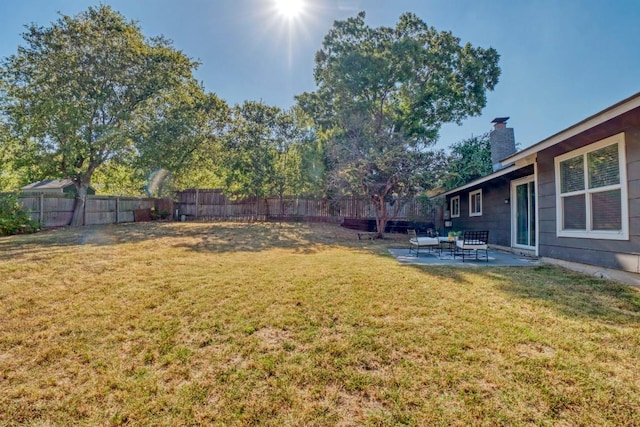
[(290, 9)]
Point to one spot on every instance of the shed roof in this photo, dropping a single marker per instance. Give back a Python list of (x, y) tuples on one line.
[(48, 184)]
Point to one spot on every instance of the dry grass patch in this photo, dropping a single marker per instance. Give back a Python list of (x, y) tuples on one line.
[(270, 324)]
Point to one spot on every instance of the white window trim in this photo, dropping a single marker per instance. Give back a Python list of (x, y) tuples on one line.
[(453, 213), (471, 194), (622, 234)]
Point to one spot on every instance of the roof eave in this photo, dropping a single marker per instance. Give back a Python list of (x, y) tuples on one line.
[(482, 180), (609, 113)]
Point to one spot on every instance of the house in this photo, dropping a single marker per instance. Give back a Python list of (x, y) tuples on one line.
[(571, 199), (54, 186)]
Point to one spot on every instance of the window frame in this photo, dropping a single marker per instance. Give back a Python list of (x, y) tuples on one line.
[(589, 232), (454, 213), (471, 195)]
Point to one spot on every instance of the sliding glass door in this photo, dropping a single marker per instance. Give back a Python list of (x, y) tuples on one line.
[(523, 213)]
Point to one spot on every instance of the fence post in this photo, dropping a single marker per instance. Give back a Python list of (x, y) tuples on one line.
[(196, 216), (41, 213), (117, 210)]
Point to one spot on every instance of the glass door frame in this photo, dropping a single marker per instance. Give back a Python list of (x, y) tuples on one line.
[(532, 211)]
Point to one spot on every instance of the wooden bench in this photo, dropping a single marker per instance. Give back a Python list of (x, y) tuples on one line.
[(365, 235)]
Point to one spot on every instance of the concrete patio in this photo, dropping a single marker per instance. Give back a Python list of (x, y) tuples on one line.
[(444, 258)]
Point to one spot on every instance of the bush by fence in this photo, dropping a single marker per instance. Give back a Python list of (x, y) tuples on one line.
[(14, 220)]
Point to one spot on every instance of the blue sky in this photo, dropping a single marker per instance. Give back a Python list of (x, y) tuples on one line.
[(561, 61)]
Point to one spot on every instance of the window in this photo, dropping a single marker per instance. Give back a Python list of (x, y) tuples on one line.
[(455, 207), (475, 203), (591, 191)]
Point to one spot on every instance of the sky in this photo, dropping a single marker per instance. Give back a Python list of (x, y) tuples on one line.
[(561, 61)]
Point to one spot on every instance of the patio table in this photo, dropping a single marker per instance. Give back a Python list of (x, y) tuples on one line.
[(446, 244)]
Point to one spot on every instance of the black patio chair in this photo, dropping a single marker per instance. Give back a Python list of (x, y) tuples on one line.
[(472, 241)]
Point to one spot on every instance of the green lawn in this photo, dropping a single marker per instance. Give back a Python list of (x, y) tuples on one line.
[(268, 324)]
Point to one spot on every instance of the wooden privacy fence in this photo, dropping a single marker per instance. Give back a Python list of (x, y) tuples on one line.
[(213, 204), (57, 210)]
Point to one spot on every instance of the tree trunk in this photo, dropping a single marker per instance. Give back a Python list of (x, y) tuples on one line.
[(281, 206), (78, 208), (381, 216)]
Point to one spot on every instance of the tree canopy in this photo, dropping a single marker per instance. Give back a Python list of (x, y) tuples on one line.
[(265, 151), (469, 159), (382, 96), (90, 96), (72, 92)]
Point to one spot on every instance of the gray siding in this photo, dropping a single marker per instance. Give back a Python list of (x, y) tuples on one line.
[(496, 215), (615, 254)]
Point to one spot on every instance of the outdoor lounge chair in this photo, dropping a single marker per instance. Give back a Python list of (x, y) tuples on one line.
[(472, 241), (421, 242)]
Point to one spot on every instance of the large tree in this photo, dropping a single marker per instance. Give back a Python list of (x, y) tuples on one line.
[(75, 87), (263, 152), (15, 170), (177, 138), (383, 94), (187, 138)]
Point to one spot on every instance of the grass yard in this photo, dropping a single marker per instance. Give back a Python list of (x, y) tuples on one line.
[(269, 324)]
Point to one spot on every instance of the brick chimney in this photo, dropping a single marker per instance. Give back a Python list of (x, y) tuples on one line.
[(503, 142)]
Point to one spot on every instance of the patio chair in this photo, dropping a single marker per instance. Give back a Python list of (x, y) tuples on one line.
[(472, 241), (421, 242)]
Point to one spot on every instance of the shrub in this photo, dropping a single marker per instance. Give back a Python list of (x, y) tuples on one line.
[(156, 215), (13, 220)]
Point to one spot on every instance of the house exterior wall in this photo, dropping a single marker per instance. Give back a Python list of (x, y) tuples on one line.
[(496, 214), (71, 190), (615, 254)]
